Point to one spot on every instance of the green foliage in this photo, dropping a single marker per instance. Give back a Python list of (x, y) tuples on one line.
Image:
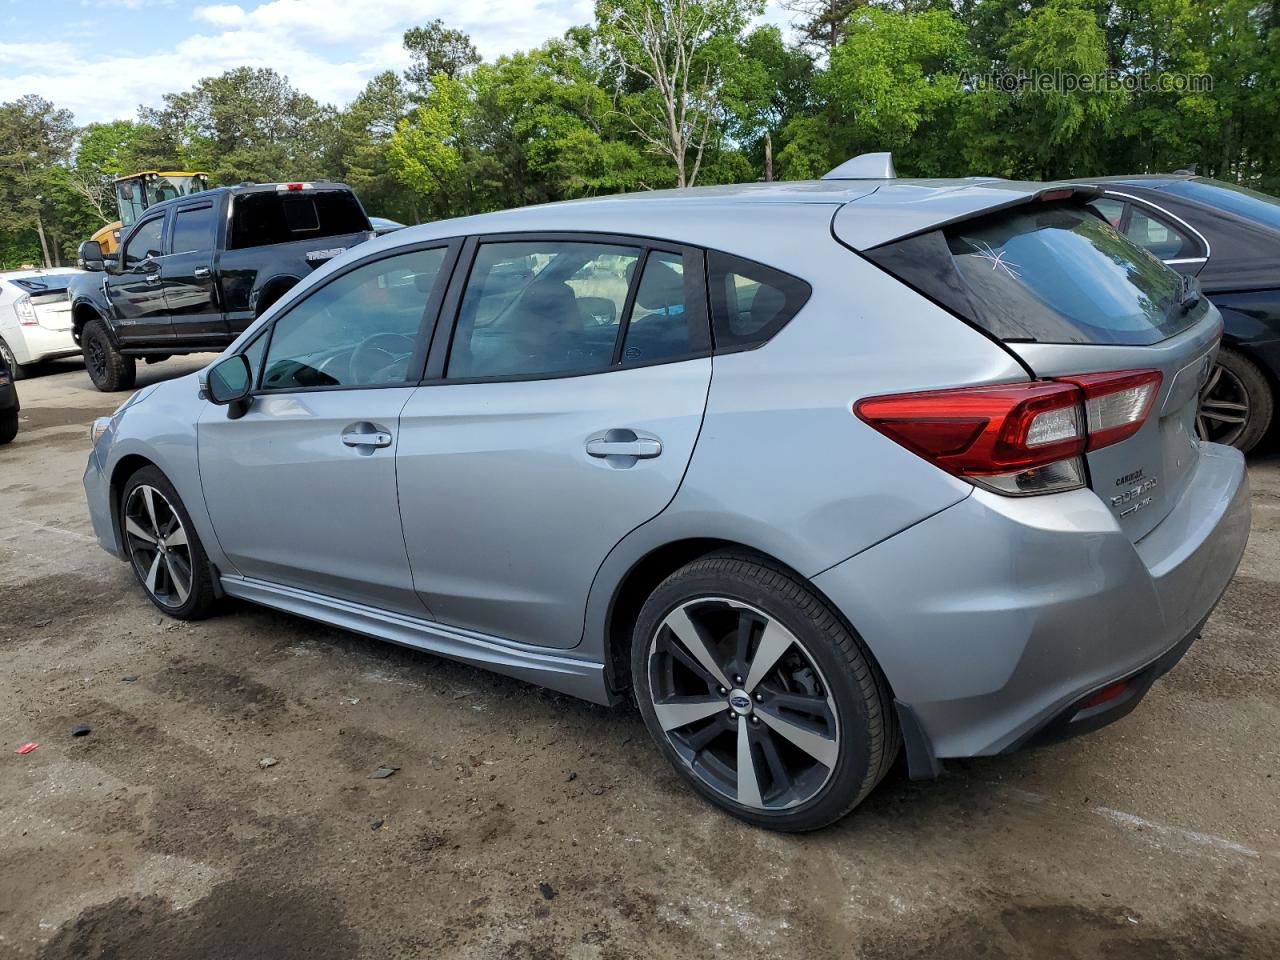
[(661, 93)]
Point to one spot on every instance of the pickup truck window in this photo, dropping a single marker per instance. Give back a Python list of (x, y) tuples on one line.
[(145, 242), (193, 229), (263, 218)]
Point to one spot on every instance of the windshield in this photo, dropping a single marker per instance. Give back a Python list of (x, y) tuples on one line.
[(136, 194), (1061, 274), (1259, 207)]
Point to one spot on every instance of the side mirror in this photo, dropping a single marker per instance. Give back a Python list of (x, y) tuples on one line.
[(228, 383), (89, 256)]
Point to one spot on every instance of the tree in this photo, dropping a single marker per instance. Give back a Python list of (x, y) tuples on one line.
[(675, 52), (821, 23), (438, 51), (35, 139), (359, 153), (246, 124)]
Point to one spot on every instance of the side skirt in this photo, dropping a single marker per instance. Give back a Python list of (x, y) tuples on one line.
[(572, 675)]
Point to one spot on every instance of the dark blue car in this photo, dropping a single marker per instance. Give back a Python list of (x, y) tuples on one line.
[(1228, 237)]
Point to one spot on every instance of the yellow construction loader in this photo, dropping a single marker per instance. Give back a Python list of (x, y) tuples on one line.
[(138, 191)]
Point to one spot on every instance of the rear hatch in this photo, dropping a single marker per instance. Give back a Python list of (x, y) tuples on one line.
[(1070, 297), (45, 299)]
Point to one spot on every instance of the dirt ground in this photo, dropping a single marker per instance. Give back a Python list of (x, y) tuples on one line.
[(523, 824)]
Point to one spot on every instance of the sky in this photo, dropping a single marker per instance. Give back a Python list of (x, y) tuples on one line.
[(102, 58)]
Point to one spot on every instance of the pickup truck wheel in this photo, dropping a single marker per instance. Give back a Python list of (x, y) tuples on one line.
[(108, 368), (16, 370)]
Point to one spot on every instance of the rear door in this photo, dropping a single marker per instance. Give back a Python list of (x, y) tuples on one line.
[(560, 416), (187, 277), (1070, 296)]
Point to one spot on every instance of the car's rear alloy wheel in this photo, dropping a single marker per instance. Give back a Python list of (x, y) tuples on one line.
[(1235, 402), (165, 553), (762, 698), (743, 704)]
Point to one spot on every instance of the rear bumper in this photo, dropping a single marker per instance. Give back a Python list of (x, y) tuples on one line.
[(33, 344), (994, 619)]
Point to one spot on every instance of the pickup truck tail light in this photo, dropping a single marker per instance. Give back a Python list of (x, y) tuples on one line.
[(1017, 439)]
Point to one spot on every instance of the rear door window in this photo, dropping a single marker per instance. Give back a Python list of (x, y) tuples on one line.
[(193, 229), (282, 216)]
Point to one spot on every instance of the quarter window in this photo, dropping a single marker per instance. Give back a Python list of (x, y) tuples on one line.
[(361, 329), (145, 242), (1155, 236), (541, 307), (749, 301)]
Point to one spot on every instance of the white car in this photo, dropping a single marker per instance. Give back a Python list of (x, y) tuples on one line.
[(35, 317)]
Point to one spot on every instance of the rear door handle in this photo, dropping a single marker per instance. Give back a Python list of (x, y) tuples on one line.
[(378, 438), (202, 273), (642, 448)]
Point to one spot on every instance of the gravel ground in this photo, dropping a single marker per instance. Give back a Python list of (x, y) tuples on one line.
[(522, 824)]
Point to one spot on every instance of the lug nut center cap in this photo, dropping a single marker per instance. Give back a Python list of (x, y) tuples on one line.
[(740, 702)]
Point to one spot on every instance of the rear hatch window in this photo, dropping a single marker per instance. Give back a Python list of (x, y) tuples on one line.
[(268, 217), (1044, 273), (1069, 296)]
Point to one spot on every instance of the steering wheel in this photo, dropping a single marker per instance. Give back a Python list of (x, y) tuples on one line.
[(373, 356)]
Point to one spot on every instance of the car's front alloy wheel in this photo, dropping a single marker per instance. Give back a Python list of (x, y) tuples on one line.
[(163, 548)]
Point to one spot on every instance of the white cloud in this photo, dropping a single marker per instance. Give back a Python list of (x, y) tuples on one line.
[(327, 48)]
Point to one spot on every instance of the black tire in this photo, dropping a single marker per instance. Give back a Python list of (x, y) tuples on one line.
[(108, 368), (866, 735), (199, 599), (1236, 387), (8, 426), (16, 370)]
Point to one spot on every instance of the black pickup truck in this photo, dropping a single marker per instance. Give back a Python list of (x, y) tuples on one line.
[(194, 272)]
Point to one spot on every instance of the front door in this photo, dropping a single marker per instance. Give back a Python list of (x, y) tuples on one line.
[(134, 288), (565, 417), (188, 281), (302, 488)]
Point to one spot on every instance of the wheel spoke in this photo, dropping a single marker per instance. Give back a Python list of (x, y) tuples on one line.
[(133, 528), (814, 744), (1209, 414), (748, 781), (1227, 405), (687, 633), (682, 711), (149, 501), (742, 641), (776, 641), (813, 706), (153, 575), (178, 538), (1213, 380), (176, 580)]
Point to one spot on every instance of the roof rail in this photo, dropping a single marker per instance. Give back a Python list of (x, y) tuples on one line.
[(866, 166)]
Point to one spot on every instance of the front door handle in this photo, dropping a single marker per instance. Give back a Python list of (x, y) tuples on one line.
[(379, 438), (152, 278), (624, 443), (202, 273)]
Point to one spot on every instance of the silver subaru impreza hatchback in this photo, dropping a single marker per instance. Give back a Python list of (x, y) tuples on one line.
[(818, 473)]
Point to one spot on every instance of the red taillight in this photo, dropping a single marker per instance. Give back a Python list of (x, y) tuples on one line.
[(1017, 438)]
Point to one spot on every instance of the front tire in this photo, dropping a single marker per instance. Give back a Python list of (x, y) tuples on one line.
[(761, 697), (163, 548), (108, 368), (16, 370)]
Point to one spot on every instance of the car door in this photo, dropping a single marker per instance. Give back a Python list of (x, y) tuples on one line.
[(187, 278), (134, 288), (301, 489), (560, 416)]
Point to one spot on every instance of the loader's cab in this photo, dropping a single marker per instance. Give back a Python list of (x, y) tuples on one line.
[(138, 191)]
